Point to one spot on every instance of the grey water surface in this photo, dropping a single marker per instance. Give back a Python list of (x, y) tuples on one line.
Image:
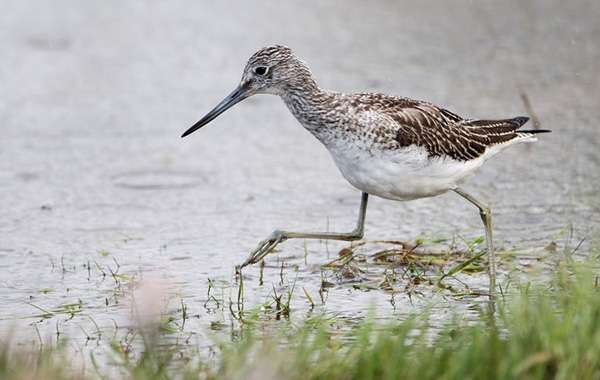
[(94, 177)]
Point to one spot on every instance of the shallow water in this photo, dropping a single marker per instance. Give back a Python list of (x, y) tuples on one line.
[(93, 172)]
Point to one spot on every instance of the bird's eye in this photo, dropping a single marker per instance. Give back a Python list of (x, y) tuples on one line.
[(261, 70)]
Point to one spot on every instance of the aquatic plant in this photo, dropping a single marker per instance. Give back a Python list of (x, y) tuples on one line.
[(548, 331)]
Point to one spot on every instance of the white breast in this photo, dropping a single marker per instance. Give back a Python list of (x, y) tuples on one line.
[(400, 174)]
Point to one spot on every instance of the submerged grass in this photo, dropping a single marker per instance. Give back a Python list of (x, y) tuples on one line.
[(549, 331), (542, 333)]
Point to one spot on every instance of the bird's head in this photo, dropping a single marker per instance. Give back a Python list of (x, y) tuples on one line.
[(271, 70)]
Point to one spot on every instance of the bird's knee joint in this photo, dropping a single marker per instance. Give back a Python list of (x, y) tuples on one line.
[(357, 234), (485, 212), (277, 235)]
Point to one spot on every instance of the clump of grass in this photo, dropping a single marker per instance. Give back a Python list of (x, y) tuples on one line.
[(540, 332), (43, 363)]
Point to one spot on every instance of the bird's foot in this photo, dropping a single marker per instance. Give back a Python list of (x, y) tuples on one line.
[(265, 247)]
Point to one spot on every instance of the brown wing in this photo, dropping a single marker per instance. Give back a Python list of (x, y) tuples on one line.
[(439, 131)]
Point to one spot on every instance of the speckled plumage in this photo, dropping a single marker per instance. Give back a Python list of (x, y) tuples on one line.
[(391, 123)]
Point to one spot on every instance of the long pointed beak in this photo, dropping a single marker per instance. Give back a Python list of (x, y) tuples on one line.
[(239, 94)]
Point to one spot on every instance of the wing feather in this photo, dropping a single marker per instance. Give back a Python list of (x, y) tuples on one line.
[(441, 132)]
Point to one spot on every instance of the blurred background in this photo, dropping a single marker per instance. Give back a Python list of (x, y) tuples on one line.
[(94, 97)]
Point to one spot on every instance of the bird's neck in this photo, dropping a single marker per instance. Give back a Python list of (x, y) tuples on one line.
[(312, 106)]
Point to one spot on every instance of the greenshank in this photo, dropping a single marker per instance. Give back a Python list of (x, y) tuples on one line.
[(391, 147)]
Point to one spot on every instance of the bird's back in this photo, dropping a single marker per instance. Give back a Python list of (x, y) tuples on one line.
[(397, 123)]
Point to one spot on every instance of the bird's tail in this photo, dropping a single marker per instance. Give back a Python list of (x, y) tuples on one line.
[(534, 131), (526, 135), (521, 120)]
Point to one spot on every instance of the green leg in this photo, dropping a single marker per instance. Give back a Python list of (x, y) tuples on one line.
[(278, 236), (486, 217)]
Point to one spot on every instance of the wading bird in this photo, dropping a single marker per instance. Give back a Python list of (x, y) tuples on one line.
[(392, 147)]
